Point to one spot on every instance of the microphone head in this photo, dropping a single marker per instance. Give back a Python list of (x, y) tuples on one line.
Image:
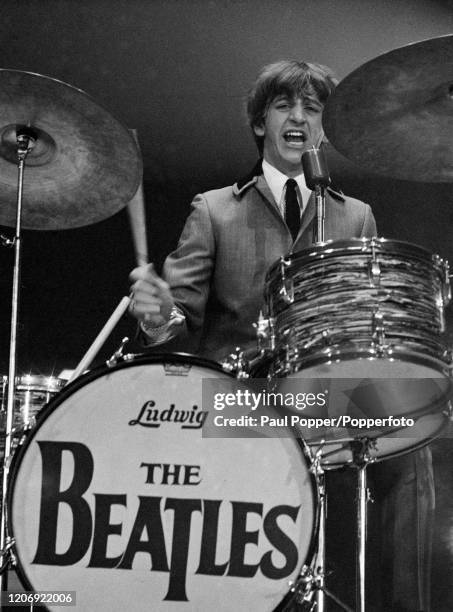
[(315, 168)]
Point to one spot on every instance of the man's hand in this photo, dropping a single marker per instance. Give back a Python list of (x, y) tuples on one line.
[(151, 299)]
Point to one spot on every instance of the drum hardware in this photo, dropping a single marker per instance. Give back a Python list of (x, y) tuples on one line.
[(7, 553), (307, 587), (361, 459), (374, 267), (118, 354), (310, 588), (326, 336), (6, 242), (287, 287), (237, 364), (25, 142), (289, 350), (378, 333), (318, 471), (265, 333)]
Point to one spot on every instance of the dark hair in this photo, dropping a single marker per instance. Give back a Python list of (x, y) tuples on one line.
[(289, 78)]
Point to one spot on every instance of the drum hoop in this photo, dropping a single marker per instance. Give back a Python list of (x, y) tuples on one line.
[(130, 361), (334, 248), (37, 382), (409, 449), (398, 354)]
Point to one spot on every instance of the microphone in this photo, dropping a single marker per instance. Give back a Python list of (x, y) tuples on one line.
[(315, 168)]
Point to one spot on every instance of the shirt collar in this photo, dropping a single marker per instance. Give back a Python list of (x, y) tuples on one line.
[(276, 181)]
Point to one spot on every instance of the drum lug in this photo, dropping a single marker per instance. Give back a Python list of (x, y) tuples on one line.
[(378, 333), (448, 357), (374, 268), (327, 338), (265, 332), (118, 354), (291, 355), (236, 364), (446, 288), (287, 289), (441, 308)]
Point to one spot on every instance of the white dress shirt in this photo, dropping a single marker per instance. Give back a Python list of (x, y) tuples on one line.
[(276, 181)]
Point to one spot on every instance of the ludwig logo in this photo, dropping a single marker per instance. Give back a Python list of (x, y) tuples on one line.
[(150, 416)]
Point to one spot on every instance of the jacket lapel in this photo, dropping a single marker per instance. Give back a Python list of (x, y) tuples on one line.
[(263, 188)]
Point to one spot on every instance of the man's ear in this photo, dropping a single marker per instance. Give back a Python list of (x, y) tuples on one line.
[(259, 130)]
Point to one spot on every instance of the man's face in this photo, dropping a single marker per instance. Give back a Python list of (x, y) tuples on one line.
[(291, 126)]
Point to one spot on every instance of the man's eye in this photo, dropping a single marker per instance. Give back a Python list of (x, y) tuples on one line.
[(313, 109), (282, 105)]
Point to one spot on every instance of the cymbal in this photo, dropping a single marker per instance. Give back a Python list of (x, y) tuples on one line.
[(85, 165), (394, 114)]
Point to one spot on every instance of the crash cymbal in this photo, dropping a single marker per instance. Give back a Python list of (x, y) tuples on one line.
[(394, 115), (85, 165)]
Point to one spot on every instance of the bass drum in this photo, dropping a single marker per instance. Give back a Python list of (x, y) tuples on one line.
[(116, 495)]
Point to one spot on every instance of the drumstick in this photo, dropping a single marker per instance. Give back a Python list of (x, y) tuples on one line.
[(101, 338), (137, 220)]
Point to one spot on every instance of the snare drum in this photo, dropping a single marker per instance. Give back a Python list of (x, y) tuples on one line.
[(116, 495), (365, 312), (32, 393)]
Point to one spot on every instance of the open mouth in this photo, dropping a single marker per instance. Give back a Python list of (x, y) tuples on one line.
[(296, 137)]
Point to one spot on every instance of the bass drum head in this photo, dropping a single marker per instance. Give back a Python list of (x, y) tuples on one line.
[(117, 496)]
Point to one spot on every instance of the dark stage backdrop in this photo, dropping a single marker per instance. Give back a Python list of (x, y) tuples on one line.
[(178, 71)]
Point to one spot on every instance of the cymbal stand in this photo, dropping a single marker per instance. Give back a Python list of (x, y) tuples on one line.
[(361, 459), (26, 139)]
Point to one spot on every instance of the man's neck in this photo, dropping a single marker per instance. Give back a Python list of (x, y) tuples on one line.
[(289, 171)]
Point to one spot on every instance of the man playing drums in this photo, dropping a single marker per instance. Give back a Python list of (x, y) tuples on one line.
[(211, 289)]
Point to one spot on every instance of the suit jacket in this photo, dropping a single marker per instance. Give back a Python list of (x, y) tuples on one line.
[(231, 238)]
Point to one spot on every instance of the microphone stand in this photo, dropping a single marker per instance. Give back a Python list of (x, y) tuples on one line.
[(317, 178), (320, 196)]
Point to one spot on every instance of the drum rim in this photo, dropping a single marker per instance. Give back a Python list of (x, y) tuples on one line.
[(37, 382), (130, 361), (334, 248), (380, 458), (398, 354), (416, 358)]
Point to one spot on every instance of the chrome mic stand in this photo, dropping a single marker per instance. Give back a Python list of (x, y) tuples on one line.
[(317, 178), (26, 139)]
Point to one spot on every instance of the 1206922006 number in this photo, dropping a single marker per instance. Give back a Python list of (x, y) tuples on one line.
[(59, 598)]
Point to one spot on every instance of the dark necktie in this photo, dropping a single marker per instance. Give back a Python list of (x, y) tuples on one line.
[(292, 209)]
